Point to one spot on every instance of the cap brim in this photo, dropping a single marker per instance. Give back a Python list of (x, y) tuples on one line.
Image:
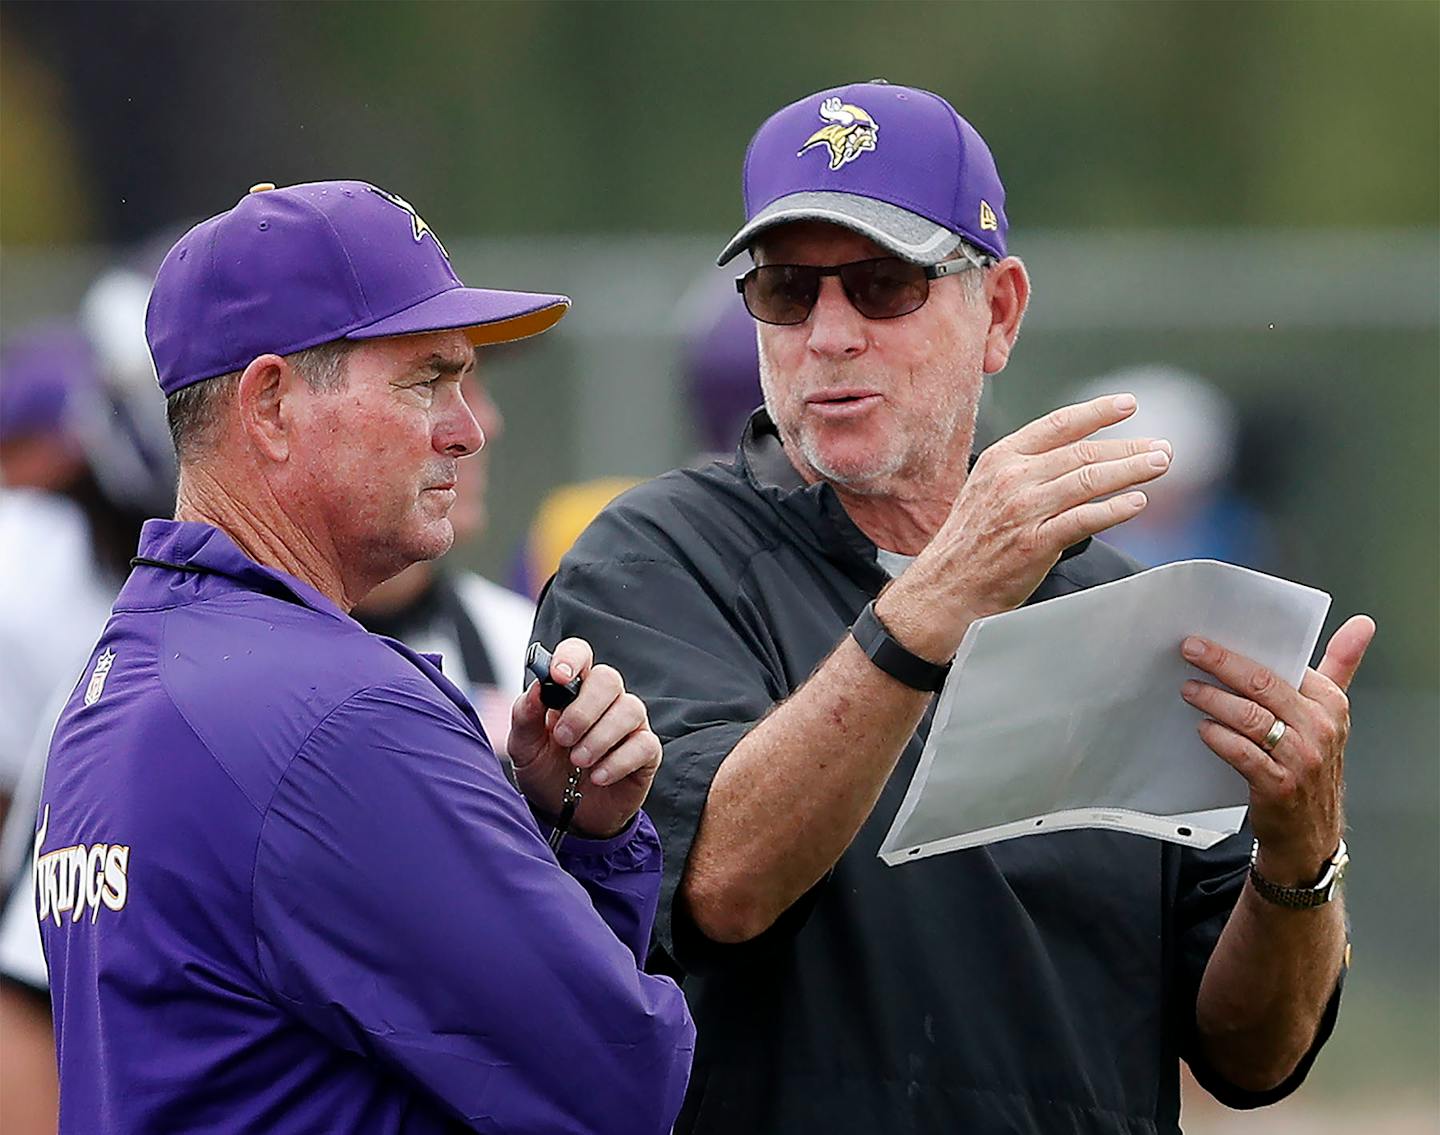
[(486, 316), (906, 234)]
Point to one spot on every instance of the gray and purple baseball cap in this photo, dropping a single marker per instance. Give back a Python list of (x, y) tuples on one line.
[(895, 164), (288, 269)]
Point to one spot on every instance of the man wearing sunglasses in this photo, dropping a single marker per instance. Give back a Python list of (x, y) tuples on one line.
[(788, 617)]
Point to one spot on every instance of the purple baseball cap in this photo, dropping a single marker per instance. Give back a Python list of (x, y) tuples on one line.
[(46, 373), (895, 164), (287, 269), (721, 363)]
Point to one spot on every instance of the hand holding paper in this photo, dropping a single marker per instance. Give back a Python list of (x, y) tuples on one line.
[(1288, 744), (1068, 713)]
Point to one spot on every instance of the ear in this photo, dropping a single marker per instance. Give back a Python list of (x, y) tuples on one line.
[(1007, 294), (260, 401)]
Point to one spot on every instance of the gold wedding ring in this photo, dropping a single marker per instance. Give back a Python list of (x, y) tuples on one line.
[(1273, 737)]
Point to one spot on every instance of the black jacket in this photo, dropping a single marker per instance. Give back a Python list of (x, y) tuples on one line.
[(1044, 984)]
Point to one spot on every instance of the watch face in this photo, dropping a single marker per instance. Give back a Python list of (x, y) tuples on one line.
[(1341, 861), (1336, 872)]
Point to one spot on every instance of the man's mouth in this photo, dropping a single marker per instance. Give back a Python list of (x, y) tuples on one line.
[(843, 401), (444, 484)]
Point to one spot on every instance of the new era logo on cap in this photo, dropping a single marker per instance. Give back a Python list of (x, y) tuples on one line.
[(288, 269), (903, 168)]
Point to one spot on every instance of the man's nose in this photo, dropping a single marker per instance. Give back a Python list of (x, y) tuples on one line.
[(458, 433), (837, 330)]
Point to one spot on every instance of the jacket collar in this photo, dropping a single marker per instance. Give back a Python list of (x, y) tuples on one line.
[(176, 557), (813, 512), (173, 553)]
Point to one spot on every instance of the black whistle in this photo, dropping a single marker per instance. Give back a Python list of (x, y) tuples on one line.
[(553, 695)]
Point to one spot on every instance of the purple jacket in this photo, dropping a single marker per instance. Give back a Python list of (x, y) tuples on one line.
[(285, 886)]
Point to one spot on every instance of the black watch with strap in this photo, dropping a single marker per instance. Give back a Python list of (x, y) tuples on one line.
[(901, 664)]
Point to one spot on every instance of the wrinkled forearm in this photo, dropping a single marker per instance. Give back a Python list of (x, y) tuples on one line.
[(790, 797), (1266, 987)]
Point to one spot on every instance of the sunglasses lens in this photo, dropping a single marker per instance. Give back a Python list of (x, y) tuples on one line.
[(781, 293), (885, 288)]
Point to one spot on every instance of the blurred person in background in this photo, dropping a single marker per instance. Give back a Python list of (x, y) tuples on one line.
[(480, 628), (85, 458), (720, 364), (83, 461), (561, 517), (789, 615), (53, 602), (1197, 510), (60, 569), (720, 378)]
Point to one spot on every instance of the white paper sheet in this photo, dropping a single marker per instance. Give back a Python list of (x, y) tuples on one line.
[(1068, 714)]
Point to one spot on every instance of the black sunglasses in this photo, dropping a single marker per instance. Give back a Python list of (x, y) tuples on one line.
[(883, 288)]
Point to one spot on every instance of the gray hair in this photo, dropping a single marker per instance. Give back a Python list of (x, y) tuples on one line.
[(193, 411), (973, 283)]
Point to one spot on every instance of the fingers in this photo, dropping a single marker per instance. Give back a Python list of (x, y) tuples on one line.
[(1346, 650), (573, 656), (1246, 758), (1106, 477), (602, 685), (1071, 423), (1241, 715), (640, 752), (1093, 451), (623, 717), (1063, 478), (527, 727), (1297, 786), (529, 716), (610, 727), (1073, 525), (1247, 678)]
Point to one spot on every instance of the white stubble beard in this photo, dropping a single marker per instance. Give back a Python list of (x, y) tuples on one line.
[(921, 459)]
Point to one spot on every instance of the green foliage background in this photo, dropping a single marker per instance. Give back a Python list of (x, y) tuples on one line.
[(578, 117)]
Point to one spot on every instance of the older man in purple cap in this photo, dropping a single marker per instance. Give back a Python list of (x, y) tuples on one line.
[(283, 882), (789, 616)]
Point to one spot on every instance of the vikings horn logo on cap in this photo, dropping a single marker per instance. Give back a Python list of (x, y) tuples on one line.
[(417, 222), (851, 131)]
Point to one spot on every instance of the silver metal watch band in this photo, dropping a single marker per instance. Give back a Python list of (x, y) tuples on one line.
[(1301, 898)]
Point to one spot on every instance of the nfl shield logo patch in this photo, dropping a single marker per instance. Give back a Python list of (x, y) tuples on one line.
[(98, 676)]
